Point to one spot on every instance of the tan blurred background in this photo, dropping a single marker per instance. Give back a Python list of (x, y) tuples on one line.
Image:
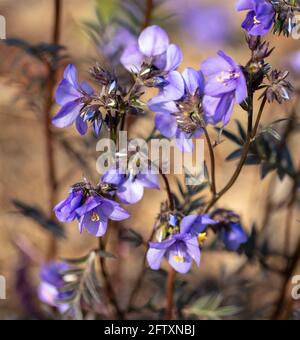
[(22, 160)]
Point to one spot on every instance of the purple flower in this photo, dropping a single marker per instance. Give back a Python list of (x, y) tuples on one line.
[(96, 212), (130, 187), (72, 96), (229, 228), (182, 246), (153, 48), (226, 84), (260, 17), (51, 283), (91, 209), (175, 106), (233, 236)]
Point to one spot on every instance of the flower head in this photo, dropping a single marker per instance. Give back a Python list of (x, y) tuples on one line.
[(226, 84), (52, 281), (72, 96), (152, 52), (260, 17), (177, 107), (91, 208), (180, 244)]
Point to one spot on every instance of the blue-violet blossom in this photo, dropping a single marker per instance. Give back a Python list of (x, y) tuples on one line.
[(182, 245), (152, 48), (225, 86), (177, 105), (72, 96), (260, 18), (91, 210)]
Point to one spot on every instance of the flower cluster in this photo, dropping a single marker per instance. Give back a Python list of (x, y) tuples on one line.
[(92, 207), (185, 104), (190, 101), (152, 57)]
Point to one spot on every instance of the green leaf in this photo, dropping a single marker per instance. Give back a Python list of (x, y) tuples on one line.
[(231, 136), (210, 307)]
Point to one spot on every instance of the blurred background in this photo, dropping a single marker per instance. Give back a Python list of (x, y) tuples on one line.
[(25, 188)]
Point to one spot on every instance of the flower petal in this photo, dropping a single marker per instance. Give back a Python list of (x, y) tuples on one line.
[(174, 58), (132, 58), (96, 228), (184, 142), (175, 89), (67, 115), (187, 223), (193, 250), (113, 211), (114, 176), (81, 126), (194, 80), (131, 192), (71, 76), (153, 41), (66, 93), (179, 258), (148, 180), (160, 104), (155, 257), (166, 124)]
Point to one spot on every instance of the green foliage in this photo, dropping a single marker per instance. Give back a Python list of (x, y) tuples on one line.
[(210, 307)]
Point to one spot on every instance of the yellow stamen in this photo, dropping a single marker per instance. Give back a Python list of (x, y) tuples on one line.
[(202, 238), (95, 217), (256, 21), (179, 258)]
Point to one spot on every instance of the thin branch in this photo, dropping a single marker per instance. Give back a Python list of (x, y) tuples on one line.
[(170, 290), (212, 161), (244, 155), (51, 166), (148, 13)]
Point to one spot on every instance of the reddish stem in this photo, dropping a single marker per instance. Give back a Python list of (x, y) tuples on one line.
[(170, 290), (50, 160)]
